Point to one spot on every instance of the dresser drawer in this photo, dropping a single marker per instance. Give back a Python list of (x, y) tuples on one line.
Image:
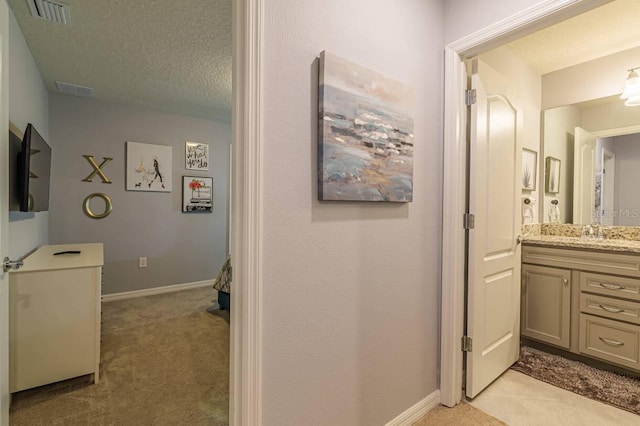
[(613, 341), (609, 307), (608, 285)]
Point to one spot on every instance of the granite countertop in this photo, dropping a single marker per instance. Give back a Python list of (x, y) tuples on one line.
[(618, 245)]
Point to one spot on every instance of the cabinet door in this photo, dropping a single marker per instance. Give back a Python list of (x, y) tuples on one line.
[(546, 304)]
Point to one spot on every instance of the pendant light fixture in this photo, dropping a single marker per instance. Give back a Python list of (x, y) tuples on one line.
[(631, 92)]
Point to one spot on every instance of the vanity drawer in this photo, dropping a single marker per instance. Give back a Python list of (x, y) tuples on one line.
[(610, 340), (595, 261), (608, 285), (622, 310)]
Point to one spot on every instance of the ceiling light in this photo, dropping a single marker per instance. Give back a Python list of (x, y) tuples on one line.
[(632, 89)]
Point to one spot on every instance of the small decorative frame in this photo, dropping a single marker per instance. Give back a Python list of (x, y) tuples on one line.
[(197, 194), (148, 167), (529, 169), (552, 175), (196, 156)]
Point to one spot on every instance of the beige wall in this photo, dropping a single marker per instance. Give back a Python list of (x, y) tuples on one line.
[(609, 116), (28, 103), (595, 79), (351, 290)]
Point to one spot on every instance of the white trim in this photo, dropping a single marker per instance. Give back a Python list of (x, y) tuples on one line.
[(618, 131), (538, 16), (453, 241), (246, 258), (155, 290), (534, 18), (420, 409)]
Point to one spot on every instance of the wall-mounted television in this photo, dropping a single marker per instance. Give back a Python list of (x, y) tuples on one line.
[(33, 173)]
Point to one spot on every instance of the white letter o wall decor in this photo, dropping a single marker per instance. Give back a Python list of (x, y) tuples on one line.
[(108, 205)]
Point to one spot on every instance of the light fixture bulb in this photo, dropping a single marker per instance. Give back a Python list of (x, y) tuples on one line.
[(632, 89), (633, 101)]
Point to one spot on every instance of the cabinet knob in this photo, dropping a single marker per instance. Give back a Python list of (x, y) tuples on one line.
[(565, 281)]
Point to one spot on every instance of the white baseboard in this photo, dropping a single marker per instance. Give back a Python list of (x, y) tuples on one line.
[(156, 290), (413, 414)]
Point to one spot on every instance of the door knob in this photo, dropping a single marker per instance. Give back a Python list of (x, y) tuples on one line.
[(8, 265)]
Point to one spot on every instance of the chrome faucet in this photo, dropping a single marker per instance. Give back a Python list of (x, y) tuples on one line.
[(592, 231)]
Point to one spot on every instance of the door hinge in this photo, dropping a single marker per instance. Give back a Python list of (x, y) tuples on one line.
[(466, 344), (470, 96), (469, 221)]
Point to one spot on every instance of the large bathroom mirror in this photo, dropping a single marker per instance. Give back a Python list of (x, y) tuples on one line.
[(598, 144)]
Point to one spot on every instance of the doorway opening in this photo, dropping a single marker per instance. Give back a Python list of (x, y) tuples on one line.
[(156, 241), (453, 269)]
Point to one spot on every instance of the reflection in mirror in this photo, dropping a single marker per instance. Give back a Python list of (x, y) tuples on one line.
[(558, 136), (617, 201), (597, 165), (552, 175)]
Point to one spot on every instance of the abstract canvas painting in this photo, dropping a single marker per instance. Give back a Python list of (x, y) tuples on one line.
[(365, 141), (148, 167)]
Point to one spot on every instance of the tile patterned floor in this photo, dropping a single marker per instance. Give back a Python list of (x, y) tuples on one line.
[(520, 400)]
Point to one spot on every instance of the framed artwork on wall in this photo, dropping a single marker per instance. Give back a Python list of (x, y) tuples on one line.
[(197, 194), (149, 167), (529, 169), (196, 156), (552, 175), (365, 141)]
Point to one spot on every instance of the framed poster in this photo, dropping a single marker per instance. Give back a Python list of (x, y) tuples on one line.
[(529, 169), (552, 177), (197, 194), (196, 156), (148, 167)]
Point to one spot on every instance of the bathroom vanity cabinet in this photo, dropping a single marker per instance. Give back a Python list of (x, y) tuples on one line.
[(54, 315), (583, 301), (546, 304)]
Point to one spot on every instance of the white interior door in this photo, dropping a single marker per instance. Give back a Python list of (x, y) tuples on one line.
[(4, 212), (608, 187), (493, 316), (584, 176)]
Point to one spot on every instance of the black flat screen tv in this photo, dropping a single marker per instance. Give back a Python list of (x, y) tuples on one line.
[(33, 172)]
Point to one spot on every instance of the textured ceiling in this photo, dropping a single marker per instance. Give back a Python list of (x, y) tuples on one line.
[(603, 31), (173, 55)]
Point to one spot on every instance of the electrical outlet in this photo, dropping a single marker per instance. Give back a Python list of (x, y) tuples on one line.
[(142, 262)]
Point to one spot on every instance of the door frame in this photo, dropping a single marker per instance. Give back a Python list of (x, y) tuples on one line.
[(541, 15), (245, 402), (605, 190), (5, 395)]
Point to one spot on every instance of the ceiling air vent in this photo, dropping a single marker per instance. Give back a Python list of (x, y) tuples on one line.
[(50, 10), (74, 89)]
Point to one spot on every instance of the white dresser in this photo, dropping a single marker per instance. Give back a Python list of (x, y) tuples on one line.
[(54, 325)]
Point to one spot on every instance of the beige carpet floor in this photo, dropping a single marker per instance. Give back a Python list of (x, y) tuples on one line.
[(460, 415), (164, 361)]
